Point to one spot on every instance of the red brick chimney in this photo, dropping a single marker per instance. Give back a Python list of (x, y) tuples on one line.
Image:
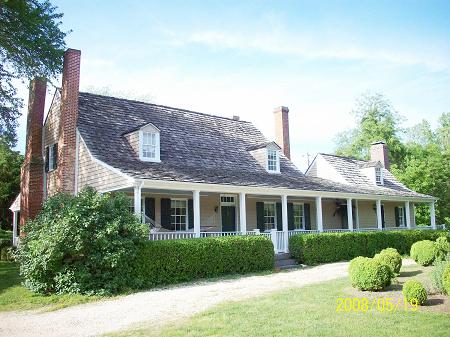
[(68, 121), (32, 172), (282, 129), (379, 152)]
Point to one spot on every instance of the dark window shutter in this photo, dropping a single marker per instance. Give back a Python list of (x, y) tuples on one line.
[(307, 209), (397, 217), (191, 213), (166, 219), (279, 217), (150, 208), (260, 216), (404, 216), (291, 216), (55, 155), (47, 154)]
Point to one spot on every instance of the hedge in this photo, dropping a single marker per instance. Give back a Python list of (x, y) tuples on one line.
[(173, 261), (332, 247)]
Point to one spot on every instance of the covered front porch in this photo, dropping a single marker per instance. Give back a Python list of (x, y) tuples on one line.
[(175, 213)]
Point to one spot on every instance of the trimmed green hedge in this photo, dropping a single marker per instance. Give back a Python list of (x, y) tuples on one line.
[(332, 247), (173, 261), (369, 274)]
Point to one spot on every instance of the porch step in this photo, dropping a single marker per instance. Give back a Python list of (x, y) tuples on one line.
[(282, 256), (284, 261)]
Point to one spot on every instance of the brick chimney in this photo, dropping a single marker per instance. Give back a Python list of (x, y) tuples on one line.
[(32, 172), (282, 129), (379, 152), (68, 121)]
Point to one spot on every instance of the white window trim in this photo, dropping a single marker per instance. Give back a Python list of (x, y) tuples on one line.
[(187, 213), (228, 203), (157, 158), (381, 182), (277, 153), (303, 218), (51, 158), (275, 214)]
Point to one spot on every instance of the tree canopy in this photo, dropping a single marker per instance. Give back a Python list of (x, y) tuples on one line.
[(420, 156), (31, 44)]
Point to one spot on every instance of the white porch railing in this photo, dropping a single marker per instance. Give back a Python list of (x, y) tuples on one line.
[(218, 234), (171, 235)]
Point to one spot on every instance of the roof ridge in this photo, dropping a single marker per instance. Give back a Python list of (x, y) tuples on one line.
[(346, 157), (166, 106)]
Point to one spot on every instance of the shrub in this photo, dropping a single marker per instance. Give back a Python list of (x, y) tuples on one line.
[(423, 252), (172, 261), (446, 279), (437, 275), (442, 248), (332, 247), (391, 258), (369, 274), (83, 244), (414, 292)]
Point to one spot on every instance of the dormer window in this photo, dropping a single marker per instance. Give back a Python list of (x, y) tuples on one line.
[(273, 160), (149, 145), (378, 176)]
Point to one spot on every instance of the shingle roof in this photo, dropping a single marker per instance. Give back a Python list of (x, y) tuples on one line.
[(195, 147), (350, 170)]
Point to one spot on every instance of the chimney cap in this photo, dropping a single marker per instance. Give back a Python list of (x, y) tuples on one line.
[(281, 108), (236, 118), (379, 142)]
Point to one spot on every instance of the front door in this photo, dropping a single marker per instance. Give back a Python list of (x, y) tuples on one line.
[(228, 218)]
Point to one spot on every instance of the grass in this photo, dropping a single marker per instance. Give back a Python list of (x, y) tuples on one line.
[(14, 296), (309, 311)]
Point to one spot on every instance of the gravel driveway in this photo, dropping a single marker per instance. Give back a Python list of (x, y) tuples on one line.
[(158, 306)]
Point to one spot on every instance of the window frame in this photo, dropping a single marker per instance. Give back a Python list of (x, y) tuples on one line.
[(186, 215), (379, 181), (157, 145), (302, 216), (266, 223), (269, 152)]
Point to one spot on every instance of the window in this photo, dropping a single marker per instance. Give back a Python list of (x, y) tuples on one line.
[(401, 216), (378, 176), (149, 143), (227, 200), (51, 157), (272, 161), (299, 216), (270, 216), (179, 216)]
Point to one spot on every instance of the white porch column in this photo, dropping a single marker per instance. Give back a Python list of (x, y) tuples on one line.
[(432, 216), (379, 218), (15, 229), (284, 217), (319, 214), (357, 214), (408, 215), (242, 213), (196, 207), (137, 201), (413, 220), (350, 214)]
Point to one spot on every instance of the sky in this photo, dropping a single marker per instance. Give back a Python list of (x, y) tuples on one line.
[(247, 57)]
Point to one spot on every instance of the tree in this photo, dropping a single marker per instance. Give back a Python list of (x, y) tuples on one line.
[(376, 120), (10, 163), (426, 167), (31, 44)]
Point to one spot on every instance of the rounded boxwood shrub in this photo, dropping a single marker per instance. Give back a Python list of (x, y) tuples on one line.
[(414, 292), (446, 279), (423, 252), (369, 274), (81, 244), (437, 275), (391, 258)]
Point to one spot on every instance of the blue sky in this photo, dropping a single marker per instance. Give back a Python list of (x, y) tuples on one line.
[(247, 57)]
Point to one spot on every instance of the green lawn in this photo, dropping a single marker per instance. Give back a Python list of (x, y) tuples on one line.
[(13, 296), (310, 311)]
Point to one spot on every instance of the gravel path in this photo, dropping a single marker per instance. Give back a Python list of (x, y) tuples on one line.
[(157, 307)]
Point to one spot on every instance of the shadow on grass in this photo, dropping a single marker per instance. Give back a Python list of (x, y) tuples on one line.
[(434, 301), (9, 275), (410, 273)]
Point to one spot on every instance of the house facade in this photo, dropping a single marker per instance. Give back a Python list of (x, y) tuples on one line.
[(190, 174)]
